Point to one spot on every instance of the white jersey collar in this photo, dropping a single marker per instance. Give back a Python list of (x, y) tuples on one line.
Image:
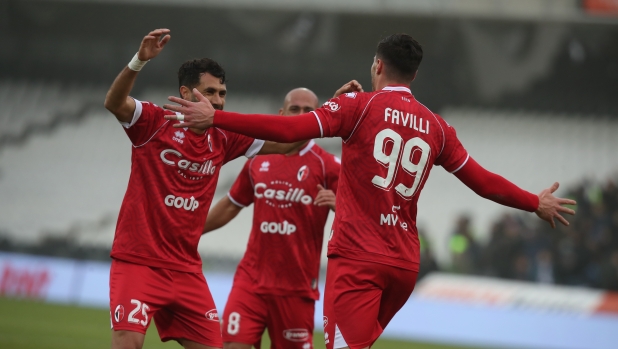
[(306, 149), (397, 88)]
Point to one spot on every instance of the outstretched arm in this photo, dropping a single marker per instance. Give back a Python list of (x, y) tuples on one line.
[(496, 188), (117, 99), (223, 212)]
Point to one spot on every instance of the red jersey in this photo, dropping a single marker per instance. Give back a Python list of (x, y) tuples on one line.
[(390, 144), (283, 253), (174, 173)]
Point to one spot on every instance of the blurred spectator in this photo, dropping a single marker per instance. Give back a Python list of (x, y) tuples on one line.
[(428, 262), (465, 251), (522, 248)]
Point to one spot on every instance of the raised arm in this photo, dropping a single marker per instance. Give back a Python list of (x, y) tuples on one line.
[(117, 99), (221, 214), (496, 188)]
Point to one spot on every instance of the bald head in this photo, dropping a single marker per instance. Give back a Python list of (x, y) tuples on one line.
[(299, 101)]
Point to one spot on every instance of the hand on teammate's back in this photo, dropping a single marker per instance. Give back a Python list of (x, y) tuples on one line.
[(325, 197), (551, 206), (153, 44), (198, 114), (352, 86)]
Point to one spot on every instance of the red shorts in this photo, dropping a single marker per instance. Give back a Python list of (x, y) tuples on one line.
[(360, 299), (289, 319), (179, 302)]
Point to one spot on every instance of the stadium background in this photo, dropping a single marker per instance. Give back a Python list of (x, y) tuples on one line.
[(530, 85)]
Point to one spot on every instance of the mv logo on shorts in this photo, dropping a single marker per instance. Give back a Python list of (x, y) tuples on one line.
[(212, 315), (296, 334), (303, 173), (119, 313)]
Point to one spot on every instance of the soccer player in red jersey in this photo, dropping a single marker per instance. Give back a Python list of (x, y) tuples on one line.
[(391, 142), (156, 269), (275, 286)]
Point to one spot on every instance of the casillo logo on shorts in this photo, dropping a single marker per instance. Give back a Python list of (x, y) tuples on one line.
[(188, 204), (290, 195), (212, 315), (296, 334), (119, 313), (284, 228)]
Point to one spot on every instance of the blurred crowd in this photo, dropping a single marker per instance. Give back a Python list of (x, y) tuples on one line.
[(522, 247)]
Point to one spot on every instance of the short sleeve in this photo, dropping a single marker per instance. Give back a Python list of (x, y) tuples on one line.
[(147, 120), (453, 155), (241, 193), (238, 145), (338, 116), (333, 167)]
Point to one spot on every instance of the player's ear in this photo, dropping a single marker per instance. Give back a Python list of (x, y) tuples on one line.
[(280, 111), (379, 66), (414, 76), (185, 93)]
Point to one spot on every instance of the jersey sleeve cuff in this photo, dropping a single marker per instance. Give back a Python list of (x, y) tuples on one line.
[(136, 114), (462, 165), (234, 201), (319, 123), (255, 148)]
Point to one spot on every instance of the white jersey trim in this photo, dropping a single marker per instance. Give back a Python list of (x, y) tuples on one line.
[(397, 88), (151, 137), (339, 340), (319, 123), (323, 167), (462, 165), (255, 148), (307, 148), (234, 201), (136, 114)]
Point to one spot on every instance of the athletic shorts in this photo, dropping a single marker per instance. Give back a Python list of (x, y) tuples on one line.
[(289, 319), (179, 302), (360, 299)]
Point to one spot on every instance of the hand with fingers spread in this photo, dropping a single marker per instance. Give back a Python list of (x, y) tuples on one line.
[(551, 206), (325, 197), (197, 115), (352, 86), (153, 44)]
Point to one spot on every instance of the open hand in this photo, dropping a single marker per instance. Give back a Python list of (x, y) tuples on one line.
[(325, 197), (551, 206), (352, 86), (198, 114), (152, 44)]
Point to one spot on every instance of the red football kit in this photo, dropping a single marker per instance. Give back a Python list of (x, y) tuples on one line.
[(157, 269), (390, 144), (275, 285)]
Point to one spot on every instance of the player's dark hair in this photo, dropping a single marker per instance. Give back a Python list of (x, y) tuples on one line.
[(401, 54), (190, 71)]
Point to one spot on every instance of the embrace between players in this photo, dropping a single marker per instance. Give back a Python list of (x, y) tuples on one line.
[(391, 142)]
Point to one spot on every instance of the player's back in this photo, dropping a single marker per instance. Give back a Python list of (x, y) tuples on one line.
[(387, 156)]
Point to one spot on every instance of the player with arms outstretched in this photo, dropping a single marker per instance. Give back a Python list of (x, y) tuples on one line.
[(156, 269), (391, 142), (276, 283)]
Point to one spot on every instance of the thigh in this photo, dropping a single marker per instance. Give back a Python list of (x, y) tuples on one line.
[(398, 289), (244, 317), (290, 322), (137, 293), (352, 299), (193, 316)]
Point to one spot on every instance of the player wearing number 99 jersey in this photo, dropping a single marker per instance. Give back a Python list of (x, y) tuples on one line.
[(390, 144)]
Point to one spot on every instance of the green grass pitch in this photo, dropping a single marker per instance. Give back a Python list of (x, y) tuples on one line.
[(33, 325)]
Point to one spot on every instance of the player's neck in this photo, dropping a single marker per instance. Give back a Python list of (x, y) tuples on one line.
[(384, 83), (297, 149), (197, 130)]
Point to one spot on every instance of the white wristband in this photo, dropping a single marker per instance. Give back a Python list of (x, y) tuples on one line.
[(136, 64)]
